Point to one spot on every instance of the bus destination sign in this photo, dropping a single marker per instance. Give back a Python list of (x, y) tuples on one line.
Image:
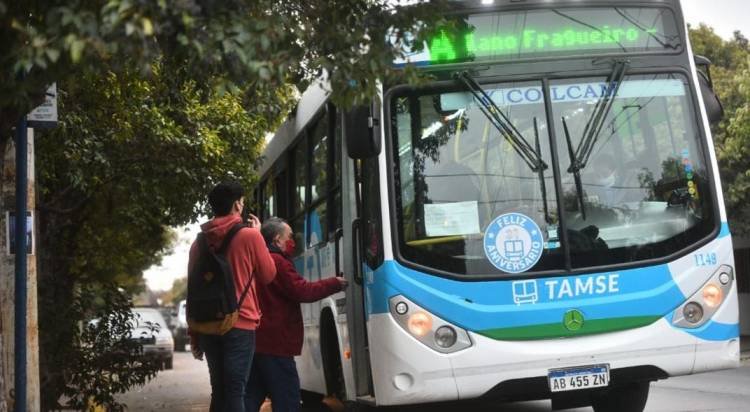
[(550, 32)]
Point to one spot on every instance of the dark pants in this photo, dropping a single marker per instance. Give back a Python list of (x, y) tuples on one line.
[(229, 358), (277, 376)]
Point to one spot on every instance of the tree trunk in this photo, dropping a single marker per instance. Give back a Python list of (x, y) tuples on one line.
[(56, 331), (8, 284), (3, 389)]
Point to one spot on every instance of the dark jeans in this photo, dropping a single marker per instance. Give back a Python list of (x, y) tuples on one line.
[(277, 376), (229, 358)]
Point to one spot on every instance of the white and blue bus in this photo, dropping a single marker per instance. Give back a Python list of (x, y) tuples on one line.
[(542, 220)]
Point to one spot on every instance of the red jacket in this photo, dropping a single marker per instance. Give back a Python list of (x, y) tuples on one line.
[(281, 331), (247, 253)]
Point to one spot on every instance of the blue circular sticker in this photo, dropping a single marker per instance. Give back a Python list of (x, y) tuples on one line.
[(513, 243)]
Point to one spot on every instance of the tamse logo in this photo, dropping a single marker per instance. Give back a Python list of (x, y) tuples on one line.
[(513, 243)]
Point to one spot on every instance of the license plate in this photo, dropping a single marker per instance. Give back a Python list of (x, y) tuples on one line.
[(582, 377)]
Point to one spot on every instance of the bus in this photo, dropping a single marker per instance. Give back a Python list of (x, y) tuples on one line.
[(541, 220)]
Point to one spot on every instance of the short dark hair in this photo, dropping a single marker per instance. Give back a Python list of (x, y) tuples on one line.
[(272, 227), (222, 197)]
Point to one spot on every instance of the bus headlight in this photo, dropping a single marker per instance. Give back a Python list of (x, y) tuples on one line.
[(445, 336), (699, 308), (420, 324), (712, 295), (427, 328), (692, 312)]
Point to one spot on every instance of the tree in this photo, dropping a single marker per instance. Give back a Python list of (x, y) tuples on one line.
[(131, 156), (158, 101), (177, 293), (731, 76), (234, 43), (734, 155), (105, 359)]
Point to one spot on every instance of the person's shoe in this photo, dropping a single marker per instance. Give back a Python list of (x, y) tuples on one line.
[(333, 404)]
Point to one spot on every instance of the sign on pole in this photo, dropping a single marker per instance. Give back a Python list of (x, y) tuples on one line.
[(45, 116)]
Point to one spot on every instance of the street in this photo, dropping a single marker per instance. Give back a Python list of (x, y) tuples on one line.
[(186, 388)]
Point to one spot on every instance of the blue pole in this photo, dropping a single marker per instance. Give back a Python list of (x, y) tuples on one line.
[(21, 271)]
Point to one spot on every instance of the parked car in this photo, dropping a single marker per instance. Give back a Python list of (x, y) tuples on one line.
[(159, 344), (181, 338)]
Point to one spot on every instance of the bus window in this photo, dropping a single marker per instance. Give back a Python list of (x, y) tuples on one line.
[(336, 207), (319, 171), (298, 228), (300, 177), (372, 234), (336, 150), (299, 194), (281, 196), (319, 182), (318, 224), (269, 199)]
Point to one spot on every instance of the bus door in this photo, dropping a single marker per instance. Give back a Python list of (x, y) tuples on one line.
[(362, 251)]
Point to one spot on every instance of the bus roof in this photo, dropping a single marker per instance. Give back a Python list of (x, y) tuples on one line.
[(312, 100)]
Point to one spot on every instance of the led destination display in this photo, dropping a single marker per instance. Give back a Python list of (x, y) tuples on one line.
[(550, 32), (443, 48)]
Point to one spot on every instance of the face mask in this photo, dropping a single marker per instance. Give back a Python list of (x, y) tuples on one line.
[(289, 247)]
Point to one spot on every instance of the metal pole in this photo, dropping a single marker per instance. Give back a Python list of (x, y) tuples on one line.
[(21, 260)]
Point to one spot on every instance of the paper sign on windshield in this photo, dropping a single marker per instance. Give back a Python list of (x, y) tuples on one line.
[(451, 219)]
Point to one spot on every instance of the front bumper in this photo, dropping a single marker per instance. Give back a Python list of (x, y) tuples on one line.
[(405, 371), (161, 351)]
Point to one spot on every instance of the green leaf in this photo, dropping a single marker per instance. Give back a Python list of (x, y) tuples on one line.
[(148, 26), (264, 73), (52, 54), (76, 50)]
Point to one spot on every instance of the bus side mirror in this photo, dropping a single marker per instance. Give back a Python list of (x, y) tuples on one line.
[(359, 129), (714, 108)]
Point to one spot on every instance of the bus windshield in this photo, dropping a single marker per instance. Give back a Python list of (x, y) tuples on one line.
[(643, 190)]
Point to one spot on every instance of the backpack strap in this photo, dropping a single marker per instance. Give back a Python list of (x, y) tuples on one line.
[(244, 292), (203, 243), (224, 245), (228, 238)]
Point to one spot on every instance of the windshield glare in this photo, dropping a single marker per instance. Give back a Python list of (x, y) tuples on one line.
[(644, 191)]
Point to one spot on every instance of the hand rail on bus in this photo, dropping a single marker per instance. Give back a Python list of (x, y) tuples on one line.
[(356, 250), (337, 235)]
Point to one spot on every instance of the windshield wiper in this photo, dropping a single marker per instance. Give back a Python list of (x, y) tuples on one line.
[(580, 157), (596, 121), (576, 172), (540, 173), (498, 119)]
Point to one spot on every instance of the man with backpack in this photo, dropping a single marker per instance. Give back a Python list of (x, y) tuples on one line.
[(226, 261)]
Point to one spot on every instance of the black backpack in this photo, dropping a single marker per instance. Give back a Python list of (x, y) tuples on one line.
[(212, 306)]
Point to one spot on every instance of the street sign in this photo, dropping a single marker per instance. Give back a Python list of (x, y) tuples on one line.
[(45, 116), (10, 232)]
